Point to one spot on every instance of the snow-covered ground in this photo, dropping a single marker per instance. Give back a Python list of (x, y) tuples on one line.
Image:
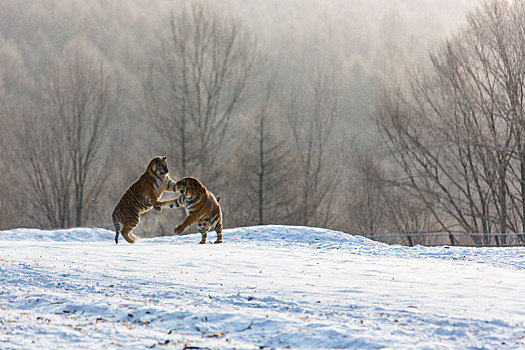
[(264, 287)]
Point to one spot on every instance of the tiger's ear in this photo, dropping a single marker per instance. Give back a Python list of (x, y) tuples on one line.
[(164, 158)]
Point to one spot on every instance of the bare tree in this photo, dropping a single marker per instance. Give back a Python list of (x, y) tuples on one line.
[(365, 205), (60, 146), (374, 203), (498, 25), (15, 84), (15, 79), (262, 170), (82, 98), (311, 118), (457, 132), (204, 66)]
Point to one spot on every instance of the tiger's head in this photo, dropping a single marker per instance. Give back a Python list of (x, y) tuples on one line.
[(158, 166), (190, 187)]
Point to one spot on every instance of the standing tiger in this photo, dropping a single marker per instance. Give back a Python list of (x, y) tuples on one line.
[(201, 207), (140, 197)]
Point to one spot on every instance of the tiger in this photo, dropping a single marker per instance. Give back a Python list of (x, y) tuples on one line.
[(141, 197), (201, 207)]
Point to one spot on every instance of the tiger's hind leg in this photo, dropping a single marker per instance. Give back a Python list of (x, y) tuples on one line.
[(127, 231), (117, 227), (203, 228), (218, 229)]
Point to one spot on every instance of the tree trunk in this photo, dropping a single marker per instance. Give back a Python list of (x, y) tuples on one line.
[(261, 169)]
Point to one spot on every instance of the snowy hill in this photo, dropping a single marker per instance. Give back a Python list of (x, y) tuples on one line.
[(265, 287)]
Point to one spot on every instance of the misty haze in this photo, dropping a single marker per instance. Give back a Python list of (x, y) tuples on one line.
[(288, 133), (359, 163)]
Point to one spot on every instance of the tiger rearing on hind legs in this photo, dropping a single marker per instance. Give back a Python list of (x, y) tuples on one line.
[(141, 197)]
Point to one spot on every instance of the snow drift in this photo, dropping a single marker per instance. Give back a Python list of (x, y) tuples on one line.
[(265, 287)]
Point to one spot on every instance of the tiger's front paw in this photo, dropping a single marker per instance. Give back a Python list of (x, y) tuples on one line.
[(179, 230)]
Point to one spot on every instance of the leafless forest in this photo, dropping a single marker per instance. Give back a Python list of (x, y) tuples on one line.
[(369, 116)]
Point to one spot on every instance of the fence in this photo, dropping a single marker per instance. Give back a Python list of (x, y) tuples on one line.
[(456, 238)]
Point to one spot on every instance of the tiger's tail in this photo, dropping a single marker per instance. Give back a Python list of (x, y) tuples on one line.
[(117, 226)]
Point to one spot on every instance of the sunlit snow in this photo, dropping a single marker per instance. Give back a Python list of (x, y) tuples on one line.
[(264, 287)]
